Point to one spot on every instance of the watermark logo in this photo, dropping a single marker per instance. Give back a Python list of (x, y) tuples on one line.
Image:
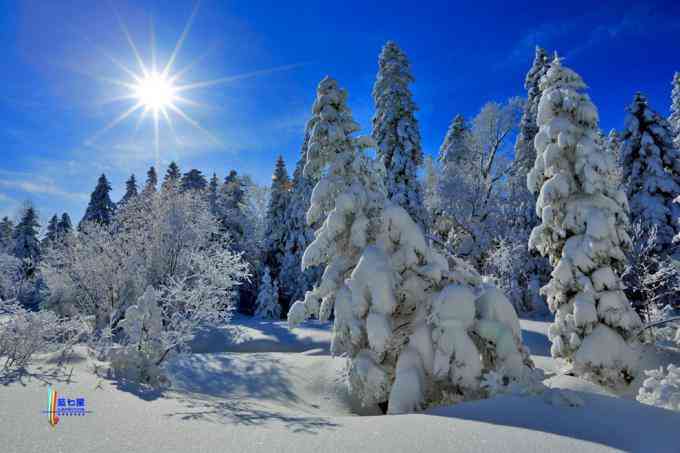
[(60, 406)]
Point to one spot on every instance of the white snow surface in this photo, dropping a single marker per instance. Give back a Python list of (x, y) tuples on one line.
[(234, 396)]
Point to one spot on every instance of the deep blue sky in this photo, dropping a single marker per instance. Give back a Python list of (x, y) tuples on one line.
[(54, 74)]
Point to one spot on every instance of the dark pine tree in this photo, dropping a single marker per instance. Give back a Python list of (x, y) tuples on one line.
[(172, 177), (213, 188), (130, 190), (151, 181), (6, 232), (194, 180), (25, 237), (100, 209), (52, 230)]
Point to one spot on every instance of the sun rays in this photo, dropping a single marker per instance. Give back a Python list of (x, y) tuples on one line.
[(161, 94)]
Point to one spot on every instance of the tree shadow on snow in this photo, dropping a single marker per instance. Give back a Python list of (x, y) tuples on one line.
[(538, 343), (618, 423), (248, 414), (275, 337), (221, 387)]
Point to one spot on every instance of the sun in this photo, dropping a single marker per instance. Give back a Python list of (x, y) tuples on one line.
[(155, 92), (159, 92)]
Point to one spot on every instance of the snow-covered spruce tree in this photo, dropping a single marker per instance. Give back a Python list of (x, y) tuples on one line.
[(613, 146), (194, 180), (172, 178), (416, 331), (395, 130), (525, 154), (522, 272), (6, 233), (237, 224), (267, 304), (455, 147), (674, 119), (275, 233), (51, 233), (65, 227), (27, 249), (100, 209), (295, 281), (213, 187), (583, 232), (25, 236), (130, 190), (151, 181), (651, 171)]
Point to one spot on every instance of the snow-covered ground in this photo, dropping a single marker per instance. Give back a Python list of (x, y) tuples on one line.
[(268, 389)]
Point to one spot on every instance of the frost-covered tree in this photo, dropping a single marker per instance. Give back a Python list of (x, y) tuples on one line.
[(295, 281), (172, 178), (6, 233), (194, 180), (652, 280), (267, 304), (168, 240), (473, 180), (417, 332), (584, 218), (130, 190), (100, 209), (661, 388), (151, 181), (275, 233), (674, 119), (395, 130), (651, 171)]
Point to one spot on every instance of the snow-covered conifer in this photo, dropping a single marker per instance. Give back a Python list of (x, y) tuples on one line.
[(151, 181), (651, 171), (101, 208), (213, 187), (6, 232), (194, 180), (172, 177), (267, 305), (295, 281), (674, 119), (230, 205), (525, 154), (275, 233), (395, 130), (455, 147), (130, 190), (403, 316), (65, 227), (25, 236), (583, 232), (52, 226)]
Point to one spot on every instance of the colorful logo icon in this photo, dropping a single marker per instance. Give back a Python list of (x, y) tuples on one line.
[(52, 407), (60, 406)]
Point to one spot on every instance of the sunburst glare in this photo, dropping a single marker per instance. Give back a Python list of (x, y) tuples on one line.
[(158, 91)]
